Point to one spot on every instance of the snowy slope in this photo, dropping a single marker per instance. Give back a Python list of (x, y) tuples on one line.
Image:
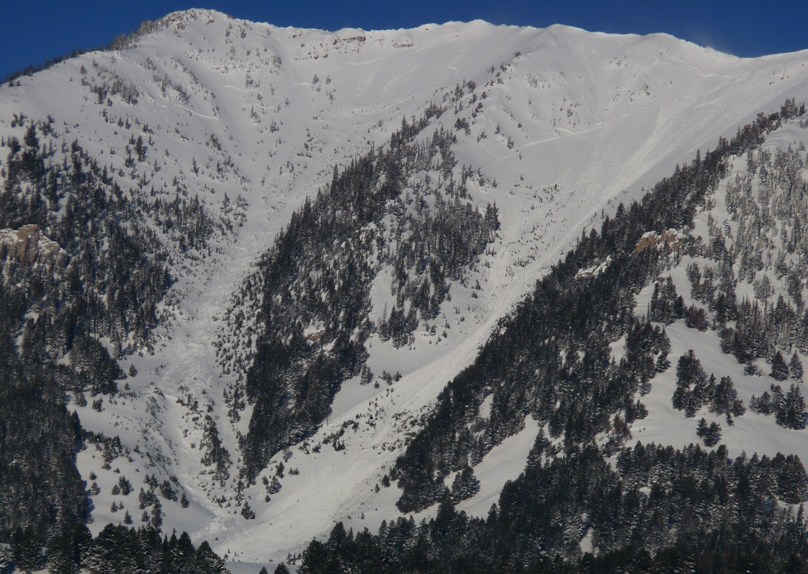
[(753, 432), (566, 122)]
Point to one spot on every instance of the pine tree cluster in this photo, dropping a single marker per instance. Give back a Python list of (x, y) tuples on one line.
[(574, 316), (657, 509), (80, 261), (402, 207)]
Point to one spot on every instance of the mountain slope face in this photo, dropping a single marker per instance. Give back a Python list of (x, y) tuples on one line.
[(263, 252), (585, 353)]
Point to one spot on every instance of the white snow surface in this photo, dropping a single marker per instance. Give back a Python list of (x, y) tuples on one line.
[(567, 123), (753, 432)]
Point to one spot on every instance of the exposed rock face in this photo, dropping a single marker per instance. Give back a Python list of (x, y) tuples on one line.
[(670, 239), (29, 246)]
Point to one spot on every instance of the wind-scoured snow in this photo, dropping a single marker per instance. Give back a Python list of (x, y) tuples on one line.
[(566, 122)]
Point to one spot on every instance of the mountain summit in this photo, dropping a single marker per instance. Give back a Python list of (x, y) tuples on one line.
[(271, 279)]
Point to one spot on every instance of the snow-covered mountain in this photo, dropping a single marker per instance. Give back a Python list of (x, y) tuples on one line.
[(214, 131)]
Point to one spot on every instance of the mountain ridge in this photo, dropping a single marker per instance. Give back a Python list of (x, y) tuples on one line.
[(230, 112)]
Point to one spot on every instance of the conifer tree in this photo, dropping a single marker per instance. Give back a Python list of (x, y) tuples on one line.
[(26, 548), (779, 368), (795, 367)]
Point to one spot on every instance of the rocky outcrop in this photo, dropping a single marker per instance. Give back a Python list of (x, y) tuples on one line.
[(30, 247)]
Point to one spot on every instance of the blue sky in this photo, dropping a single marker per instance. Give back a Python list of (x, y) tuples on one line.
[(33, 31)]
